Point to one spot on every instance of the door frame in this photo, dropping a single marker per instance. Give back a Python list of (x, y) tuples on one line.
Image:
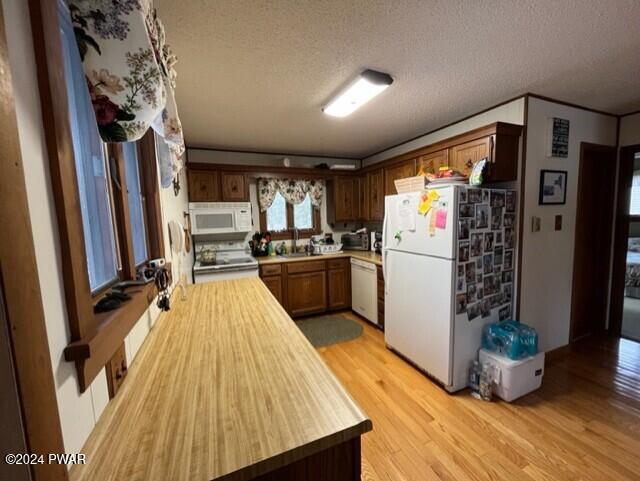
[(20, 284), (603, 148), (621, 235)]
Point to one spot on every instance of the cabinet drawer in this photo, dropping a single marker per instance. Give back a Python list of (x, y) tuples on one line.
[(305, 266), (271, 270), (338, 264)]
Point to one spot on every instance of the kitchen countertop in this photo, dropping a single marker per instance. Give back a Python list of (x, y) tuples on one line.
[(368, 256), (225, 387)]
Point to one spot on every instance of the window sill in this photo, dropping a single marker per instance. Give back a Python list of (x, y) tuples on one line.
[(91, 354)]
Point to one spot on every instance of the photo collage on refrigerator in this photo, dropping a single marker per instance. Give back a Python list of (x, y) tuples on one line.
[(486, 252)]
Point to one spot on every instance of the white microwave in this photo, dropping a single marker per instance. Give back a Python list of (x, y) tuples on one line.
[(220, 217)]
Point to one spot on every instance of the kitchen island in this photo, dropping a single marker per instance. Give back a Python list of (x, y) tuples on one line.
[(226, 387)]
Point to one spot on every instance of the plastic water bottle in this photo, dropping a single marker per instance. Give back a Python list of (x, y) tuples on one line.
[(486, 383), (474, 377)]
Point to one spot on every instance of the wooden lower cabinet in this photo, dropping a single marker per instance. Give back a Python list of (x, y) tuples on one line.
[(339, 284), (274, 284), (306, 293), (311, 286), (342, 462)]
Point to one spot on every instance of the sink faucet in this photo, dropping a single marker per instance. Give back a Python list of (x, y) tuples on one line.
[(294, 241)]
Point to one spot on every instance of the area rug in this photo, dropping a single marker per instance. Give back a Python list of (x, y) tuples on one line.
[(327, 330)]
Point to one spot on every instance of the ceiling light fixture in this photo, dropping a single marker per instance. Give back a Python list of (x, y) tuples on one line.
[(366, 86)]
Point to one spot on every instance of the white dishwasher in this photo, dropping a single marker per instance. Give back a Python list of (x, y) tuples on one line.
[(364, 289)]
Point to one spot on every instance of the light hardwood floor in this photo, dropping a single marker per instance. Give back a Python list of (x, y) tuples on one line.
[(583, 424)]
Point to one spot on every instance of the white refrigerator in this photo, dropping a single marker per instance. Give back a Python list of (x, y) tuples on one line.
[(447, 274)]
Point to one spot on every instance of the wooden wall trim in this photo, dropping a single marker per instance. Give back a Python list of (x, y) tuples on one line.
[(633, 112), (569, 104), (621, 234), (521, 190), (151, 188), (23, 301), (55, 115)]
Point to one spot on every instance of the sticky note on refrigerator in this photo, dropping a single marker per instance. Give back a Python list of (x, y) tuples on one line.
[(441, 218), (432, 222), (426, 201)]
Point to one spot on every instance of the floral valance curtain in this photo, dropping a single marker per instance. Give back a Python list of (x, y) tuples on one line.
[(293, 191), (129, 72)]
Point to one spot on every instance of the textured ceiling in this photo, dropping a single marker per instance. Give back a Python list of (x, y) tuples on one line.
[(254, 75)]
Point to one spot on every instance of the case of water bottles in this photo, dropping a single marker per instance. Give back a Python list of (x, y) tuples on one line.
[(511, 339), (510, 348)]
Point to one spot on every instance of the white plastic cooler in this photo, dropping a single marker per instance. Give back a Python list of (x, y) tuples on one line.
[(514, 378)]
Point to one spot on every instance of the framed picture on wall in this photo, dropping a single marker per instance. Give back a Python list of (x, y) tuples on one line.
[(558, 141), (553, 187)]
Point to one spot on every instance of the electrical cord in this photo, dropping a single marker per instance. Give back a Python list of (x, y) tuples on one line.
[(162, 284)]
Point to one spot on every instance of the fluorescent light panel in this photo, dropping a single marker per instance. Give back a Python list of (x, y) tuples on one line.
[(368, 84)]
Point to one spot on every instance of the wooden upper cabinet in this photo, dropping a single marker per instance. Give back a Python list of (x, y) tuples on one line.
[(343, 195), (430, 163), (363, 198), (375, 183), (235, 187), (464, 156), (203, 186), (399, 171)]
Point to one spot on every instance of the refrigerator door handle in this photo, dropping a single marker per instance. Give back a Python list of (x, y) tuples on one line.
[(384, 251)]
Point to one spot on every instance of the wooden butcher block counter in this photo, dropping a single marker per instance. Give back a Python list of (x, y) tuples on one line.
[(226, 387)]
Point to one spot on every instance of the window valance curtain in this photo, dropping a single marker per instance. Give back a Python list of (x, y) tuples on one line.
[(129, 72), (293, 191)]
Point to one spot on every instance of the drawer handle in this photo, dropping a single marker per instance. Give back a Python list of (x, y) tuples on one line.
[(469, 163)]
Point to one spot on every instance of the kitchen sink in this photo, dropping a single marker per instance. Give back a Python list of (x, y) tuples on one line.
[(297, 254)]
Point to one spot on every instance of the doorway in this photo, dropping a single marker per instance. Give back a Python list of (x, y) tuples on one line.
[(625, 288), (593, 236)]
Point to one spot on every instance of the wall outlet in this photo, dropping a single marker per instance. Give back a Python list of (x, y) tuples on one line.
[(535, 224), (558, 222)]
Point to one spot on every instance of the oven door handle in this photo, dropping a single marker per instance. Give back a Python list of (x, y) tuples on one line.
[(228, 267)]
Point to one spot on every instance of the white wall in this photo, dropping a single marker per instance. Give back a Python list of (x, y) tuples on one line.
[(547, 259), (251, 158), (630, 130), (512, 112), (78, 411)]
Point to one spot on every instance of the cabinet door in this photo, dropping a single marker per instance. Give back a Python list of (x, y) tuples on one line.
[(203, 186), (406, 169), (339, 285), (376, 194), (306, 293), (235, 187), (346, 198), (464, 156), (363, 200), (430, 163), (274, 284)]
